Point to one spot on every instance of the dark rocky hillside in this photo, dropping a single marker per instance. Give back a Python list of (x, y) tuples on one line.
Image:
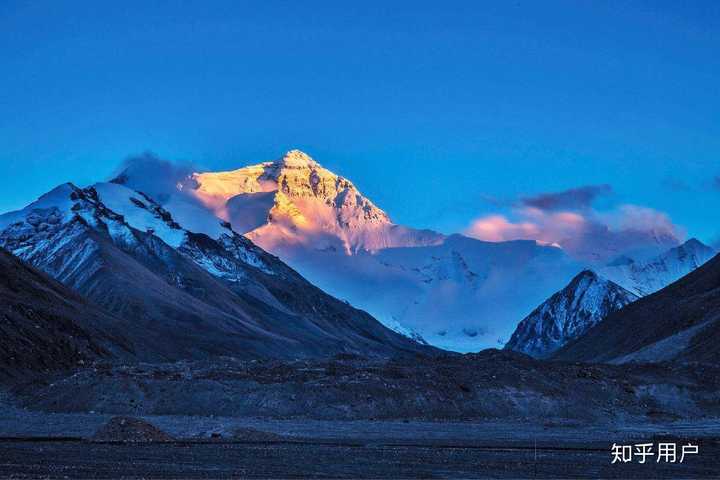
[(46, 326)]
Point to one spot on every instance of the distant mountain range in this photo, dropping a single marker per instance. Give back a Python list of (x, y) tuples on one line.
[(178, 257), (176, 294), (681, 322), (452, 291), (643, 277), (591, 297)]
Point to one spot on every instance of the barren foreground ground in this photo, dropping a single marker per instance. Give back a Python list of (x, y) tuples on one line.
[(492, 415), (329, 460), (346, 449)]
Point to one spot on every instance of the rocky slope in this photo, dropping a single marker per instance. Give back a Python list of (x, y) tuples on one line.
[(568, 314), (492, 384), (46, 326), (180, 294), (681, 322)]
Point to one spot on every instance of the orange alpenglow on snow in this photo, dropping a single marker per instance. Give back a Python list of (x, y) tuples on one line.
[(295, 201)]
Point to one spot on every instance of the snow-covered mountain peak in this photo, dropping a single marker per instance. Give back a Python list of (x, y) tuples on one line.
[(584, 302), (300, 177), (59, 205), (693, 248), (298, 159), (590, 297), (127, 218), (645, 276), (281, 205), (294, 201), (295, 175), (584, 278), (58, 194)]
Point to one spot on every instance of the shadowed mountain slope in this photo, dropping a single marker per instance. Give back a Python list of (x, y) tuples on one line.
[(46, 326)]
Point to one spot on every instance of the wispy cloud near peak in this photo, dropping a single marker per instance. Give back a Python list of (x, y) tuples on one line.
[(152, 174)]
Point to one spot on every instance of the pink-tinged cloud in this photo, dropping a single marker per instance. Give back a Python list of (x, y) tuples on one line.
[(535, 224), (496, 228), (586, 235), (637, 218)]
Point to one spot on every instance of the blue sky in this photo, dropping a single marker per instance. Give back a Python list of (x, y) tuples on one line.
[(441, 112)]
